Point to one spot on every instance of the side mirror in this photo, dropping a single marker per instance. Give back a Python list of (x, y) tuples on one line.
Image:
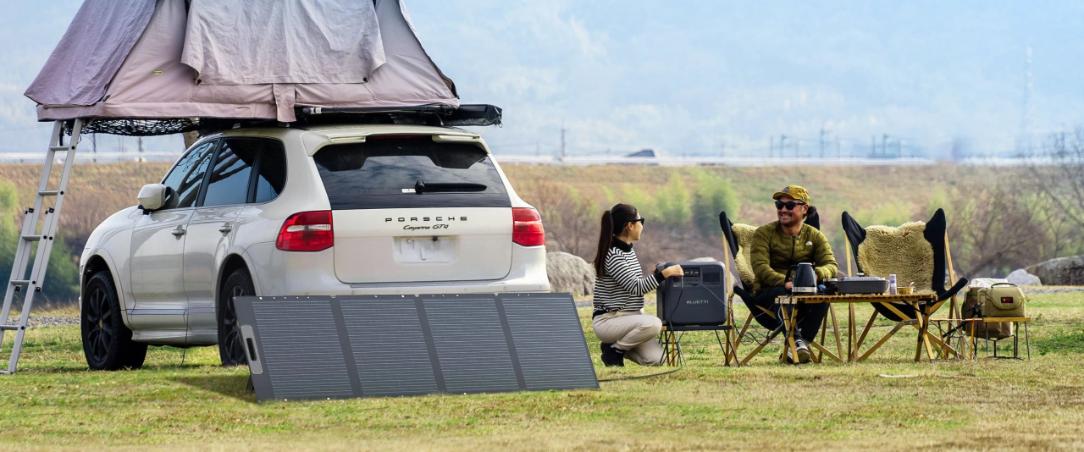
[(152, 197)]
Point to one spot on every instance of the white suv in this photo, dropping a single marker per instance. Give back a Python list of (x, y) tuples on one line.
[(322, 210)]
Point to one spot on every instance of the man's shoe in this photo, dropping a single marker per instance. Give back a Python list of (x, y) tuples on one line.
[(611, 356), (788, 357), (803, 351)]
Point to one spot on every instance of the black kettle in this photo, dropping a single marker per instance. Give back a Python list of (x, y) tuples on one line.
[(805, 279)]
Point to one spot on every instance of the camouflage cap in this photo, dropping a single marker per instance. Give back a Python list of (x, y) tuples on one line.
[(797, 192)]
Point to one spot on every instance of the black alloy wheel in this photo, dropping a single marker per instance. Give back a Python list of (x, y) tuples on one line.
[(107, 342), (231, 346)]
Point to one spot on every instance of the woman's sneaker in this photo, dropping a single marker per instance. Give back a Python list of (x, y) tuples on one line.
[(611, 356)]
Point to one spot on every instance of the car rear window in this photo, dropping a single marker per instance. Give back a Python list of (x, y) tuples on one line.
[(387, 172)]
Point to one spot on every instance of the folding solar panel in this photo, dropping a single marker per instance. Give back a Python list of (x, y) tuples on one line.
[(364, 346)]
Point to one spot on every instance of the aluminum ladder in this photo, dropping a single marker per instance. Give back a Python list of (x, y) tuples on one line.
[(36, 237)]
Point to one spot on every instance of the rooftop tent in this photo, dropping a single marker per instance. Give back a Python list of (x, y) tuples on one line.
[(167, 63)]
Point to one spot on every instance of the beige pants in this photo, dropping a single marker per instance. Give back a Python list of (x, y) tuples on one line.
[(631, 331)]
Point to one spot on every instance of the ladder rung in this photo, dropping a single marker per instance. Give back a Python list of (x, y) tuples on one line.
[(59, 148), (20, 282), (50, 193), (33, 237), (10, 327)]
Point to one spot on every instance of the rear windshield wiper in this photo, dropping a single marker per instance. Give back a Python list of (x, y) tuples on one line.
[(446, 187)]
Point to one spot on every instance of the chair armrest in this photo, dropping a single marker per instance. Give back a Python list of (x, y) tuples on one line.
[(956, 288)]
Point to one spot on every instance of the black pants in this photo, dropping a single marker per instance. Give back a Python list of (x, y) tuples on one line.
[(810, 316)]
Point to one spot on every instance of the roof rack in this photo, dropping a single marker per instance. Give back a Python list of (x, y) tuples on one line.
[(464, 115), (433, 114)]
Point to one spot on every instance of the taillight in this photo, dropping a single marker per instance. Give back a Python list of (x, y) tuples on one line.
[(306, 231), (527, 227)]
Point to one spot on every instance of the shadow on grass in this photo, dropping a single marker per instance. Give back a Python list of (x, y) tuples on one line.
[(236, 386), (74, 368)]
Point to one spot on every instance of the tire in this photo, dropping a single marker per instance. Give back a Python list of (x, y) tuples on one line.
[(107, 342), (231, 349)]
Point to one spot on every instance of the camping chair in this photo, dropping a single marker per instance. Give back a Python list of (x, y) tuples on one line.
[(918, 253), (737, 242)]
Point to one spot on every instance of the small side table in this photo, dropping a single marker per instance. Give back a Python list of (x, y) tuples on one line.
[(670, 340), (1015, 321)]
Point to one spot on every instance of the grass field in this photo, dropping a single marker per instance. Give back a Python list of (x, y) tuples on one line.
[(183, 400)]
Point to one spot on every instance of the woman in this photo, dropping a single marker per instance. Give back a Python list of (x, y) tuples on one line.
[(618, 320)]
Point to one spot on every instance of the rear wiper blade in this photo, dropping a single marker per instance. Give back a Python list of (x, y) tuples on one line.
[(447, 187)]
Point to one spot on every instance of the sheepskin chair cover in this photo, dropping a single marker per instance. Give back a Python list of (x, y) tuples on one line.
[(744, 234), (901, 250)]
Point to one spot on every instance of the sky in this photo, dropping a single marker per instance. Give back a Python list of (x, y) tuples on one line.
[(707, 77)]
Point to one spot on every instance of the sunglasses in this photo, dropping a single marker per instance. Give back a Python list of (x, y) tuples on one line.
[(640, 220), (790, 205)]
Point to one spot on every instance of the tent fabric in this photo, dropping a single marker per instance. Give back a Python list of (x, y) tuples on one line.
[(90, 52), (271, 41), (153, 83)]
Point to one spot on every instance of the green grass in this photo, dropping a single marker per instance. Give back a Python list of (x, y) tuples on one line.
[(182, 399)]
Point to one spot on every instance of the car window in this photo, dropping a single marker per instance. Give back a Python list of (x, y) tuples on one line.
[(187, 175), (231, 174), (271, 172), (398, 171)]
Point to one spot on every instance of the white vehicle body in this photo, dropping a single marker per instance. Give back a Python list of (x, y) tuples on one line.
[(168, 265)]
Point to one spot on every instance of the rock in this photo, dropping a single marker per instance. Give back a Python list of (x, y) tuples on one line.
[(570, 273), (1021, 277), (1063, 271)]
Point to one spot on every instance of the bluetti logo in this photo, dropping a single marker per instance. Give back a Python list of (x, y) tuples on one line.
[(702, 301)]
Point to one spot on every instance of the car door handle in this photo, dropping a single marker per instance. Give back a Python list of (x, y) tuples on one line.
[(225, 229), (179, 231)]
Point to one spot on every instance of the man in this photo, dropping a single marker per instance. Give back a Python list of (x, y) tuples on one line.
[(779, 246)]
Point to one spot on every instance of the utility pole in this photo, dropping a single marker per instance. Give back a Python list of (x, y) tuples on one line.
[(884, 142), (563, 152), (822, 142), (782, 145)]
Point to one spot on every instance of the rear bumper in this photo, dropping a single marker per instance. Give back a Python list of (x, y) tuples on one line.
[(278, 273)]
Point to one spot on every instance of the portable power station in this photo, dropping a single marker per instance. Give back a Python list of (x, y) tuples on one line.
[(696, 299)]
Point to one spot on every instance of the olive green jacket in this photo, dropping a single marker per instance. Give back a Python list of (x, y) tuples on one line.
[(773, 254)]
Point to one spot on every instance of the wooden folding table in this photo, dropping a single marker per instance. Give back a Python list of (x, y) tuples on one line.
[(915, 301)]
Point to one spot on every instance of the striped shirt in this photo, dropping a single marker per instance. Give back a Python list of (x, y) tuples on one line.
[(624, 285)]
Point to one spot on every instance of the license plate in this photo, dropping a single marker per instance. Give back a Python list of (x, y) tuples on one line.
[(424, 249)]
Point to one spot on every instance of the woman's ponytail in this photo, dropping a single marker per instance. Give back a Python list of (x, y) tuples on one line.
[(605, 240)]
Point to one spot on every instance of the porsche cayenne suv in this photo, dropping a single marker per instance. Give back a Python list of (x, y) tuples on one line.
[(322, 210)]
